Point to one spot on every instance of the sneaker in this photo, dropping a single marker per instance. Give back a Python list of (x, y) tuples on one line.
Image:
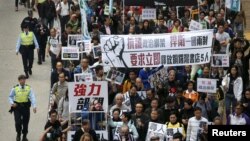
[(39, 63)]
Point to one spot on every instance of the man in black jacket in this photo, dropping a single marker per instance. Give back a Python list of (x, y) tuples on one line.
[(55, 73), (49, 13), (30, 21), (42, 33), (85, 129)]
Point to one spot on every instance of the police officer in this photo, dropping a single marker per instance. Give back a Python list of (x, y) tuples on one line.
[(26, 44), (21, 98)]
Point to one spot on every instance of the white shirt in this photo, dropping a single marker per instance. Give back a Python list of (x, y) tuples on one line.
[(222, 37), (194, 127), (64, 9), (54, 43)]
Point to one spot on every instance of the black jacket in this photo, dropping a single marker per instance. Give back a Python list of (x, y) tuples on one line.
[(54, 76), (31, 22), (79, 133)]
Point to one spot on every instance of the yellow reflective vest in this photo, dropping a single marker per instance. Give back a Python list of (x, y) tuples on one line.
[(27, 39), (40, 1), (22, 95)]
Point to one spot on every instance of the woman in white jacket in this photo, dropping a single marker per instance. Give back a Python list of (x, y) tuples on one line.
[(233, 86)]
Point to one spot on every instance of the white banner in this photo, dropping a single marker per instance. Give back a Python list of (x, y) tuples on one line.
[(233, 5), (148, 14), (73, 38), (89, 100), (206, 85), (70, 53), (174, 49), (220, 60), (83, 77), (156, 130), (194, 25)]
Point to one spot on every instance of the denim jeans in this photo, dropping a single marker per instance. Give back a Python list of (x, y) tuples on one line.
[(230, 100)]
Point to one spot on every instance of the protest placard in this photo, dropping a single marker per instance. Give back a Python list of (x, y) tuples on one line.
[(156, 130), (206, 85), (194, 25), (97, 51), (73, 38), (83, 77), (148, 14), (70, 53), (88, 100), (220, 60), (116, 76)]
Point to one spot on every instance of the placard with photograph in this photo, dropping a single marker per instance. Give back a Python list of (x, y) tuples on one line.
[(116, 76), (97, 51)]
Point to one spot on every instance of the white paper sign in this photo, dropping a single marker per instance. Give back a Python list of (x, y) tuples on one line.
[(83, 77), (206, 85), (171, 131), (220, 60), (116, 76), (142, 94), (97, 51), (73, 38), (194, 25), (148, 14), (88, 100), (156, 130), (70, 53), (127, 101), (81, 94)]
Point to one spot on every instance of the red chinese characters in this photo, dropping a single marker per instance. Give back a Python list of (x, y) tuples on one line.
[(87, 90)]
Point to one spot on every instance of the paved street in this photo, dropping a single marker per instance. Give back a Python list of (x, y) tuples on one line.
[(11, 67)]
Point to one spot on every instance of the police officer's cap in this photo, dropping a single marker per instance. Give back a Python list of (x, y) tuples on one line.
[(21, 77)]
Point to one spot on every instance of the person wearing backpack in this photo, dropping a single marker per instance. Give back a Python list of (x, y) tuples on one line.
[(53, 49), (175, 124)]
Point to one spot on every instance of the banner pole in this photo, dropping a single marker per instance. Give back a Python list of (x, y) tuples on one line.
[(123, 19)]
